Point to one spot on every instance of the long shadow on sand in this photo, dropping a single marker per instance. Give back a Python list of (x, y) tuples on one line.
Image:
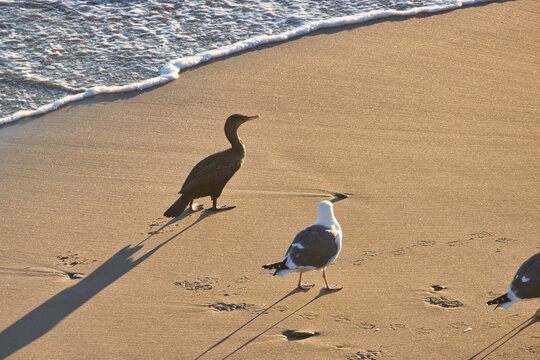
[(46, 316), (321, 294), (505, 338), (336, 197)]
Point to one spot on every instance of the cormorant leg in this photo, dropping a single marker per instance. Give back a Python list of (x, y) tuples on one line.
[(194, 206), (304, 286), (221, 208), (328, 287)]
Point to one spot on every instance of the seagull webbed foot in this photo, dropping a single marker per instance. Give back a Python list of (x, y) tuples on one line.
[(329, 287), (305, 286)]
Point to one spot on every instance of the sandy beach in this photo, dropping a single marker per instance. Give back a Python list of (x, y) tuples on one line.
[(430, 122)]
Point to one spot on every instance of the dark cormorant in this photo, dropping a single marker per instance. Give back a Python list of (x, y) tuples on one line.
[(209, 177)]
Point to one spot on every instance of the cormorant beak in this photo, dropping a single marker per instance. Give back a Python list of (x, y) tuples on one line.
[(247, 118)]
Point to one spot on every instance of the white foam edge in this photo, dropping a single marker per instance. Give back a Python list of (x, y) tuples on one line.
[(172, 69)]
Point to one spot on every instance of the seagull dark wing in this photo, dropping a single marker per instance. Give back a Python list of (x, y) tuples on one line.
[(526, 283), (313, 246)]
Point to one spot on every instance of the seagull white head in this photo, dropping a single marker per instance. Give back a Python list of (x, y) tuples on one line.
[(325, 214)]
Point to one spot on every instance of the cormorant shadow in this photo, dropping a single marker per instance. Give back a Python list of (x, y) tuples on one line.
[(47, 315), (183, 215), (321, 294), (508, 337)]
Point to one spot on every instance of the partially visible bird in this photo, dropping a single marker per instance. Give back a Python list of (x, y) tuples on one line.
[(209, 176), (313, 248), (525, 286)]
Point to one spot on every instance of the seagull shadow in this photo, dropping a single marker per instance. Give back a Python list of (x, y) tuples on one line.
[(46, 316), (322, 293), (247, 323), (509, 336)]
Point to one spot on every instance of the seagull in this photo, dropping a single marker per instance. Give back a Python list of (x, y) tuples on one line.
[(525, 286), (313, 248)]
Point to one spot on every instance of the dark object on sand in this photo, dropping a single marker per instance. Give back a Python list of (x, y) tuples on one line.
[(209, 177), (74, 276), (299, 335), (341, 195), (525, 286), (438, 287)]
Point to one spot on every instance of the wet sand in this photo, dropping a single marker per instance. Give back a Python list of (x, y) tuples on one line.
[(430, 122)]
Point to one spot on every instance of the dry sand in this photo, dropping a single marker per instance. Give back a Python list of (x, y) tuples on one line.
[(432, 124)]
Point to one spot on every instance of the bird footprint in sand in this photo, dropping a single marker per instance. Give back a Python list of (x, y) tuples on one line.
[(220, 306), (73, 259), (365, 355), (444, 302), (206, 283)]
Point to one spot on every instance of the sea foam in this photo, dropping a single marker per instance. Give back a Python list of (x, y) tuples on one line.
[(171, 70)]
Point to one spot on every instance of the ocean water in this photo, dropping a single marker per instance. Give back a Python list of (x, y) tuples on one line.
[(56, 52)]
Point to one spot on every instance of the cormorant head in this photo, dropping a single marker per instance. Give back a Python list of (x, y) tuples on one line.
[(325, 213), (234, 121)]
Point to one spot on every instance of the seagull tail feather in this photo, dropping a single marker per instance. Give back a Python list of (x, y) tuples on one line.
[(277, 266), (177, 208), (499, 300)]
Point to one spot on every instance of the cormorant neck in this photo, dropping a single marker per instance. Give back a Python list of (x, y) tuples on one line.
[(234, 139)]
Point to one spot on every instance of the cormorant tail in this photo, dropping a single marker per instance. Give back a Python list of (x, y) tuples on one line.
[(277, 266), (500, 300), (177, 208)]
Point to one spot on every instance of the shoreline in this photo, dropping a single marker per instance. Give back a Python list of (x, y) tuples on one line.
[(430, 123), (171, 70)]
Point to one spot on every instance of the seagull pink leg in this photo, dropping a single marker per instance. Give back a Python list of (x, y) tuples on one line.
[(328, 287), (304, 286), (537, 314)]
